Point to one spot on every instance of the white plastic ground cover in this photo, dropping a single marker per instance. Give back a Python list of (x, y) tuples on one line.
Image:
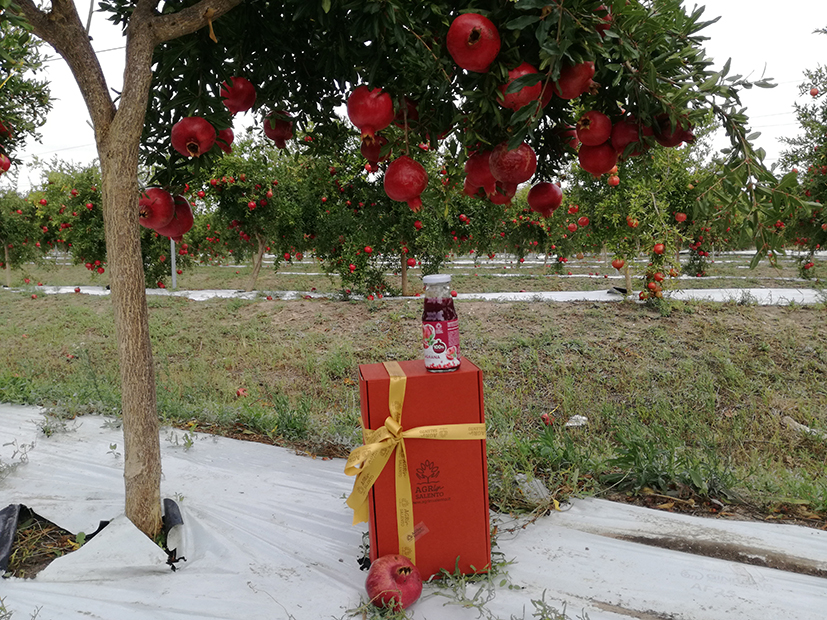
[(267, 535), (759, 296)]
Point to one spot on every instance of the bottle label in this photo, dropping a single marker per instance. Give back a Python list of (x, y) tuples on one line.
[(440, 340)]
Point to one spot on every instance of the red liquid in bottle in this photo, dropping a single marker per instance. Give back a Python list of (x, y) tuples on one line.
[(440, 334)]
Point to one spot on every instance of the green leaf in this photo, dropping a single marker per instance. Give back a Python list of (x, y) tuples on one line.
[(326, 6), (521, 22)]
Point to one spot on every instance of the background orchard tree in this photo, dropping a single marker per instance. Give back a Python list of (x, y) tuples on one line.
[(304, 57), (805, 228), (24, 97), (19, 232)]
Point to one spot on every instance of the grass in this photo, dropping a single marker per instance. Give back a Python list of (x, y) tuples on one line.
[(685, 400)]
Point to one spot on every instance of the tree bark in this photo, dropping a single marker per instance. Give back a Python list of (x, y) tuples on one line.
[(257, 260), (8, 264), (404, 273), (118, 135)]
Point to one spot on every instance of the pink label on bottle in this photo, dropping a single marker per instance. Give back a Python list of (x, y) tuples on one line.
[(440, 341)]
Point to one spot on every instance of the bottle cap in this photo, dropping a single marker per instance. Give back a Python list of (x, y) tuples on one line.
[(437, 278)]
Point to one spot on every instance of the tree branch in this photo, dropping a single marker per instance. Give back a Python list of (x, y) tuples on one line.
[(190, 19), (62, 29)]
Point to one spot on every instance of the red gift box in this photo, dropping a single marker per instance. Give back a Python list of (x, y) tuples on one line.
[(425, 448)]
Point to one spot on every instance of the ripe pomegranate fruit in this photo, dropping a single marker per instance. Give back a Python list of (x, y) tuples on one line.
[(568, 135), (393, 582), (594, 128), (372, 150), (680, 217), (239, 97), (369, 110), (473, 42), (156, 208), (628, 131), (605, 20), (613, 180), (574, 80), (658, 248), (181, 222), (478, 172), (503, 193), (192, 136), (524, 96), (277, 128), (669, 136), (5, 163), (814, 92), (515, 166), (545, 198), (225, 140), (598, 159), (618, 263), (405, 180)]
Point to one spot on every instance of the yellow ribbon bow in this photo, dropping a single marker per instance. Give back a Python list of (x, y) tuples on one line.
[(367, 462)]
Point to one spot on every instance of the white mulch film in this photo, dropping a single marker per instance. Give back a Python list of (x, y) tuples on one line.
[(267, 535)]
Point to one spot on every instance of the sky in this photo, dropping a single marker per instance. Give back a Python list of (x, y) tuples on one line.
[(763, 39)]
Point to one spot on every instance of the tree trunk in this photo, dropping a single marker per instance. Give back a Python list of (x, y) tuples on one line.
[(142, 450), (404, 276), (257, 260), (8, 264)]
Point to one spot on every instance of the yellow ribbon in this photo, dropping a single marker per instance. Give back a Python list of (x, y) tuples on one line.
[(368, 461)]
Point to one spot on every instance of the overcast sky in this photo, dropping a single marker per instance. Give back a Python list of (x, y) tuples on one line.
[(773, 40)]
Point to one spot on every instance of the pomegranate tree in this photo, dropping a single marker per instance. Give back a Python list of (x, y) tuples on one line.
[(370, 110), (405, 180), (193, 136), (473, 42), (239, 96)]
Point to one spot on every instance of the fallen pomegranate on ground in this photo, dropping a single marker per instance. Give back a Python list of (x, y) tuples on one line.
[(393, 582)]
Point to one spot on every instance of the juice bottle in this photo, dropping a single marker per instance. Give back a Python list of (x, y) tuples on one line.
[(440, 327)]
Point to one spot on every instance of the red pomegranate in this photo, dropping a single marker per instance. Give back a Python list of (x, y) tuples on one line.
[(628, 131), (372, 150), (478, 172), (156, 208), (473, 42), (574, 80), (594, 128), (369, 110), (225, 140), (5, 163), (568, 135), (670, 136), (503, 193), (545, 198), (524, 96), (598, 159), (474, 191), (5, 130), (513, 166), (278, 128), (192, 136), (605, 20), (181, 222), (239, 97), (405, 180)]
